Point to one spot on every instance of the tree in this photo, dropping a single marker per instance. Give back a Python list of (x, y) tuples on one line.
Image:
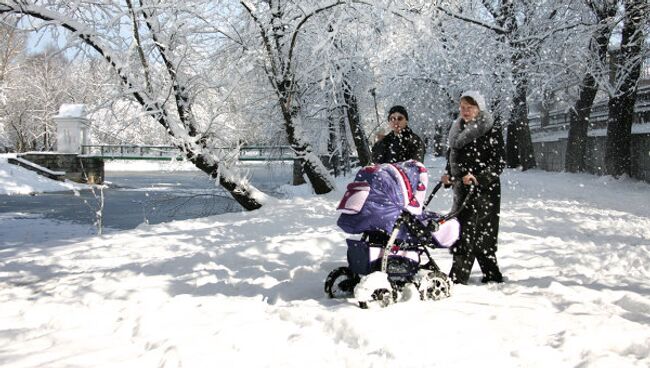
[(511, 23), (46, 78), (604, 12), (621, 103), (356, 127), (12, 47), (344, 69), (279, 27)]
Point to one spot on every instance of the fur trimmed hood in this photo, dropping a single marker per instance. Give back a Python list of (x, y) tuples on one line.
[(463, 133), (478, 97), (480, 126)]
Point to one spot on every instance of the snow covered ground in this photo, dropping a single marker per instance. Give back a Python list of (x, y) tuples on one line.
[(246, 289)]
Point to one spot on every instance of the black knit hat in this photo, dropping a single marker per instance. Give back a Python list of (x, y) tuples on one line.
[(399, 109)]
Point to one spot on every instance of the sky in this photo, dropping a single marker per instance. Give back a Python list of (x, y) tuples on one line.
[(246, 289)]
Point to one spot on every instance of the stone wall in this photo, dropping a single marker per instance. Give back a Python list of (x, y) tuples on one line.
[(550, 155), (77, 168)]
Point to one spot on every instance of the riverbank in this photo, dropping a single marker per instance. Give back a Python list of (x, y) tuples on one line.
[(15, 180)]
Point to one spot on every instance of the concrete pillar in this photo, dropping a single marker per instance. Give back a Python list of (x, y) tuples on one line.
[(71, 128)]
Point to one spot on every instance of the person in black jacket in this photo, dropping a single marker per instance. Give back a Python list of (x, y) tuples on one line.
[(475, 158), (401, 144)]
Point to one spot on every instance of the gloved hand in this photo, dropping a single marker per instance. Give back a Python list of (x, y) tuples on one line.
[(446, 181), (457, 248), (433, 226)]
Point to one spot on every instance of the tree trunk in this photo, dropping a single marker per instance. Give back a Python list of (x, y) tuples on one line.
[(298, 173), (242, 194), (438, 140), (621, 107), (519, 147), (343, 139), (574, 160), (314, 169), (358, 135), (579, 115), (333, 143), (619, 134)]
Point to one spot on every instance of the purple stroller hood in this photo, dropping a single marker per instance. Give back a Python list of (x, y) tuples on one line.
[(378, 195)]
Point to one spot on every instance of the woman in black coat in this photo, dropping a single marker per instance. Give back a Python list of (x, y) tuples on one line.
[(475, 157)]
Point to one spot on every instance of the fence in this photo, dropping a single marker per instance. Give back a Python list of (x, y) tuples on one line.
[(550, 155)]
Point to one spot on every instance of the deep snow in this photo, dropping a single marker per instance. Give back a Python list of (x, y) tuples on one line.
[(246, 289)]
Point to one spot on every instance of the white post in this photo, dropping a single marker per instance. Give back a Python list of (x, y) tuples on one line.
[(71, 128)]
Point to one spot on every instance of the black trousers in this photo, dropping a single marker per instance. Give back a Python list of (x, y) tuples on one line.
[(479, 222)]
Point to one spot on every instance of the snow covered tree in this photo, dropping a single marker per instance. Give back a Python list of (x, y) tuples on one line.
[(512, 19), (621, 102), (12, 45), (158, 51), (45, 78), (12, 48), (604, 12), (279, 24)]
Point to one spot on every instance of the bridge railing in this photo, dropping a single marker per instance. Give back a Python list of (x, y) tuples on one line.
[(266, 153), (128, 150), (141, 152)]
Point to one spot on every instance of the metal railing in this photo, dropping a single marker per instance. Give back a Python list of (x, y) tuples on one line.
[(143, 152)]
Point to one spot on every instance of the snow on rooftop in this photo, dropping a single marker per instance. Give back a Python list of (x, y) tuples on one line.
[(72, 111)]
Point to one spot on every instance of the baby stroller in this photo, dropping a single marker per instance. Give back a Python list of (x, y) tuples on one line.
[(386, 205)]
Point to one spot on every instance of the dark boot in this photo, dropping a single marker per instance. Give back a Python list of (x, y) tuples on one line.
[(461, 268), (489, 267), (497, 279)]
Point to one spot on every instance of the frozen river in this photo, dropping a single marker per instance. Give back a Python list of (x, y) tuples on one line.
[(144, 197)]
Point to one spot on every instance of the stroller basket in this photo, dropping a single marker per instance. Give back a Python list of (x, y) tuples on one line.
[(365, 258)]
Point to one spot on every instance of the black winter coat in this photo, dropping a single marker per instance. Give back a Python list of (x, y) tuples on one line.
[(398, 148), (476, 148)]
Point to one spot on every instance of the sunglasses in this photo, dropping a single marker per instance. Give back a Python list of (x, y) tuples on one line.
[(396, 118)]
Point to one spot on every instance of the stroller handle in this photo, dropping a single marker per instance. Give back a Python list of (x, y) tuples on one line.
[(450, 215), (433, 193), (472, 189)]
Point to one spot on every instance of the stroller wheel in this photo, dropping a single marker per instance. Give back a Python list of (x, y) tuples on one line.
[(383, 298), (340, 283), (436, 286)]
